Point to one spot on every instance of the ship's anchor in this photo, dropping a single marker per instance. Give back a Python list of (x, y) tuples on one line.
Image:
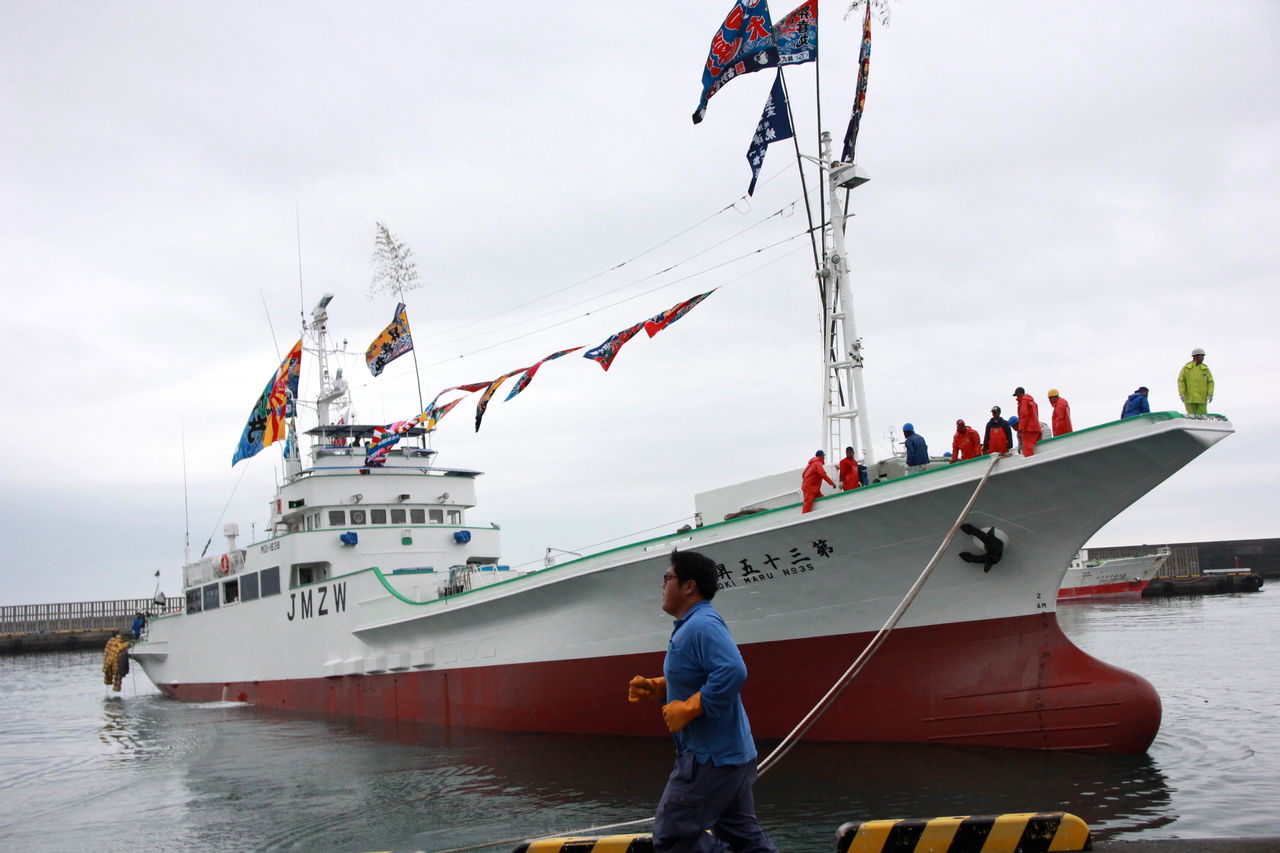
[(992, 542)]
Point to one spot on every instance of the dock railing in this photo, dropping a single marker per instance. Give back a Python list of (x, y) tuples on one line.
[(80, 615)]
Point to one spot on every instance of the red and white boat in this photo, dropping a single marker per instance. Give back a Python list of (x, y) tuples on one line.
[(1125, 577), (373, 592)]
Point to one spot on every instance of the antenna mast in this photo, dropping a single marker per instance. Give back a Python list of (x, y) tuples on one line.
[(844, 403)]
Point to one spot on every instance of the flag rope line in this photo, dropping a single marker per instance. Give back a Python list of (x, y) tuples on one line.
[(391, 375), (731, 206), (644, 293), (776, 214)]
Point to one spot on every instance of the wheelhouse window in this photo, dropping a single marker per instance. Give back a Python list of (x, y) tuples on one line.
[(270, 581), (436, 516), (398, 516), (455, 516), (358, 516), (249, 587), (231, 591), (337, 518), (210, 595), (417, 516), (377, 516)]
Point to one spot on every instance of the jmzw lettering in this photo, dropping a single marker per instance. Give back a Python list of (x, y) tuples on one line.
[(321, 601)]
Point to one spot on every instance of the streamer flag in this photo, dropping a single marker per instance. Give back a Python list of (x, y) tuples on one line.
[(606, 352), (490, 391), (434, 415), (267, 422), (385, 438), (860, 95), (774, 126), (523, 382), (797, 35), (659, 322), (393, 342), (743, 43)]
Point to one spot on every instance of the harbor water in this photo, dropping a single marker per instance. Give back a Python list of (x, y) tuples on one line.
[(81, 768)]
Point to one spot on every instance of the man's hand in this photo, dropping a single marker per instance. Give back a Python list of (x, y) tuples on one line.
[(680, 714), (653, 689)]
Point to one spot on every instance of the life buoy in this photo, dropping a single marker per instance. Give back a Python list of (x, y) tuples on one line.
[(224, 565)]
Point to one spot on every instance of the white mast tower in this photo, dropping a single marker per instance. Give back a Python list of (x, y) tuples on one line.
[(844, 401)]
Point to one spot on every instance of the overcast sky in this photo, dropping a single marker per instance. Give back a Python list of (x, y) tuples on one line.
[(1066, 195)]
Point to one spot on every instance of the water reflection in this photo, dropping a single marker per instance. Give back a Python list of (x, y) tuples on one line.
[(552, 783)]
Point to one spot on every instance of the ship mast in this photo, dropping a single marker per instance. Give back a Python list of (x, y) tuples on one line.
[(330, 388), (844, 402)]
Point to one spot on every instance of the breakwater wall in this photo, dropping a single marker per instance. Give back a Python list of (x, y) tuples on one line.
[(72, 624)]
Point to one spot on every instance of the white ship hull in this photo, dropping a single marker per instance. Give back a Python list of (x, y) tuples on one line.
[(1122, 578), (977, 659)]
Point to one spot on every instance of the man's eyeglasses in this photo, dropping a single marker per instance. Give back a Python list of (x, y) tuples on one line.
[(668, 577)]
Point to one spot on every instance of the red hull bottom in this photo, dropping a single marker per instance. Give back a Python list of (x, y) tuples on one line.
[(1015, 682), (1125, 589)]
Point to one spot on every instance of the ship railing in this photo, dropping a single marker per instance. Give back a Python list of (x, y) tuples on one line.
[(81, 615)]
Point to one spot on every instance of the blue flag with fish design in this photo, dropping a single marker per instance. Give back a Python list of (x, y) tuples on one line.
[(743, 43)]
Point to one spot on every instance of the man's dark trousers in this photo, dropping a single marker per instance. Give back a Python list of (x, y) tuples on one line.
[(698, 796)]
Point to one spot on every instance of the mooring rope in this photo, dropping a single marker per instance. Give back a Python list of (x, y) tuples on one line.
[(824, 704), (878, 640)]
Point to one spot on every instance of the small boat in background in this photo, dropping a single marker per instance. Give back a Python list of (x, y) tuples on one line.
[(1125, 577)]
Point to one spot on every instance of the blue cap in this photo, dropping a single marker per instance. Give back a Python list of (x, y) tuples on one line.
[(908, 427), (821, 453)]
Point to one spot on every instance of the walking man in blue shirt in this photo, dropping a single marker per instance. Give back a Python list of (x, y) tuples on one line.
[(715, 772)]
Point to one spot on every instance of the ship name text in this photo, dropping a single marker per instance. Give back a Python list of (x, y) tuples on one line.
[(320, 601)]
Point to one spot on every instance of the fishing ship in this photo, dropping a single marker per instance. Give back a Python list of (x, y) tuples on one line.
[(1120, 578), (373, 593)]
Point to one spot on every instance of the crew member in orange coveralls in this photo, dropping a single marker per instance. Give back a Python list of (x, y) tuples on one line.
[(1061, 419), (1028, 420), (811, 481), (849, 478), (966, 443)]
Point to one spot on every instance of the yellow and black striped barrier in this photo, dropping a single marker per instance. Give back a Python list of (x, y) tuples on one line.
[(1028, 832), (606, 844)]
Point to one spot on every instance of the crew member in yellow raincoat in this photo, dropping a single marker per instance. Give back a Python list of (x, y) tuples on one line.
[(115, 660), (1195, 384)]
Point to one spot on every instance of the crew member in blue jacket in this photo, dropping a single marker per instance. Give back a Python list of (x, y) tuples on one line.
[(1136, 404), (917, 450), (711, 786)]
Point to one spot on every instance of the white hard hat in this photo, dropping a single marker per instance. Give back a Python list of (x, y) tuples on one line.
[(1197, 351)]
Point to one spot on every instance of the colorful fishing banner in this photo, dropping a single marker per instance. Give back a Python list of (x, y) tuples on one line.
[(659, 322), (860, 95), (523, 382), (393, 342), (797, 35), (490, 391), (267, 422), (435, 414), (743, 43), (607, 351), (774, 126), (385, 438)]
